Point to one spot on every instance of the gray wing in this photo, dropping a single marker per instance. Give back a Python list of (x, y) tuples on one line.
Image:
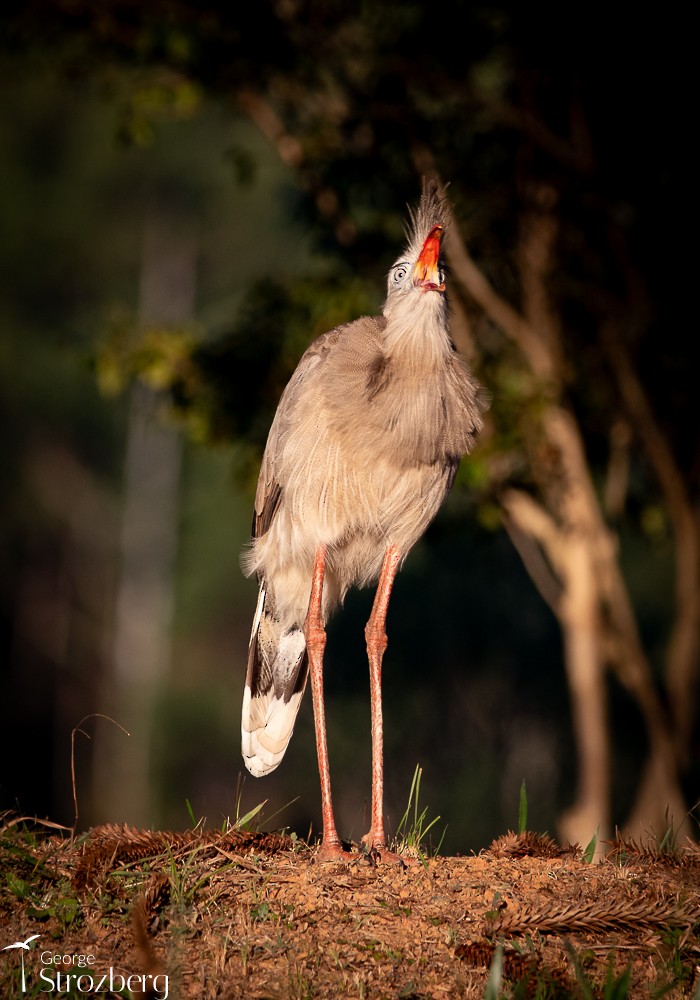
[(277, 661), (270, 489)]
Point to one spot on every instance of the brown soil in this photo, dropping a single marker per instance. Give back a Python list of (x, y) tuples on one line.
[(254, 915)]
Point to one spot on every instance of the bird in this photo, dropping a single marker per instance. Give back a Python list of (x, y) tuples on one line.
[(362, 451), (21, 944), (24, 946)]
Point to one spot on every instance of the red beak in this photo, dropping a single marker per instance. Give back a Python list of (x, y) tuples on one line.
[(426, 273)]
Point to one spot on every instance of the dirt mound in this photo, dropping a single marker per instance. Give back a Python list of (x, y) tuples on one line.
[(237, 914)]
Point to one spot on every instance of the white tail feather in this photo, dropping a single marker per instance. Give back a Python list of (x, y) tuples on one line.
[(267, 720), (272, 723)]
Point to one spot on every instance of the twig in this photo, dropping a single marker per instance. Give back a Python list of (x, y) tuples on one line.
[(77, 729), (32, 819)]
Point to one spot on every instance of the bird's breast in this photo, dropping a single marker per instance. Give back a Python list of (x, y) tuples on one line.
[(381, 477), (370, 448)]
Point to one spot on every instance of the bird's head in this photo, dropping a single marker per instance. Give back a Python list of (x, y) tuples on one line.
[(417, 279), (428, 272)]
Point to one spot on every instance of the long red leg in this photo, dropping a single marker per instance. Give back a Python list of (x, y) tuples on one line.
[(315, 635), (375, 633)]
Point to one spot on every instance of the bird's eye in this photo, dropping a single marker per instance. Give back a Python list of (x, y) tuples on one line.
[(400, 272)]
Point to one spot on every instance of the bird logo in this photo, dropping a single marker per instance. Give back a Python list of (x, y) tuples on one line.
[(23, 946)]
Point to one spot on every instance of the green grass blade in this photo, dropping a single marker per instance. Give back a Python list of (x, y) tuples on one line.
[(522, 810), (414, 826), (493, 985), (589, 852), (243, 821)]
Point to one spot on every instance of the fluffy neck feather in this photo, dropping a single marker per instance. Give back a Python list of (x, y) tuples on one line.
[(417, 330)]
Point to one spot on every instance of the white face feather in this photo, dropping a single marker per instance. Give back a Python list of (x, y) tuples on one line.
[(399, 275), (431, 212), (400, 279), (416, 305)]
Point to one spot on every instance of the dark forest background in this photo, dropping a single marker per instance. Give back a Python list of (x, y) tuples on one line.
[(189, 194)]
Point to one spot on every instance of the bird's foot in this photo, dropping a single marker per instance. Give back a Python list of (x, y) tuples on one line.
[(379, 853), (383, 856), (332, 850)]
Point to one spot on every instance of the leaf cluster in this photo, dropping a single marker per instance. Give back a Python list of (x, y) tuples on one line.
[(359, 101)]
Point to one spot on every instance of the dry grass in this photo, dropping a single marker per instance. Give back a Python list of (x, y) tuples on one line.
[(234, 914)]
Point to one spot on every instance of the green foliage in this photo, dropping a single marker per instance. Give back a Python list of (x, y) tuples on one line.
[(414, 826), (150, 100), (225, 387), (190, 813), (617, 987), (590, 849), (44, 894), (669, 840), (522, 809), (260, 912), (245, 822), (188, 876), (493, 985)]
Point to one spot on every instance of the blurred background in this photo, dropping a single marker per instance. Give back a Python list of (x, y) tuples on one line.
[(189, 194)]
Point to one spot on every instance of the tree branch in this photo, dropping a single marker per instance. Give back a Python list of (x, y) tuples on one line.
[(684, 647), (528, 524), (496, 308)]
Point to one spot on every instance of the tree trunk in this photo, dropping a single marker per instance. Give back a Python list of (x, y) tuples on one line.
[(585, 670), (593, 607), (141, 651)]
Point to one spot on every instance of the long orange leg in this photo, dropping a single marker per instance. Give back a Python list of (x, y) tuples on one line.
[(375, 633), (315, 635)]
